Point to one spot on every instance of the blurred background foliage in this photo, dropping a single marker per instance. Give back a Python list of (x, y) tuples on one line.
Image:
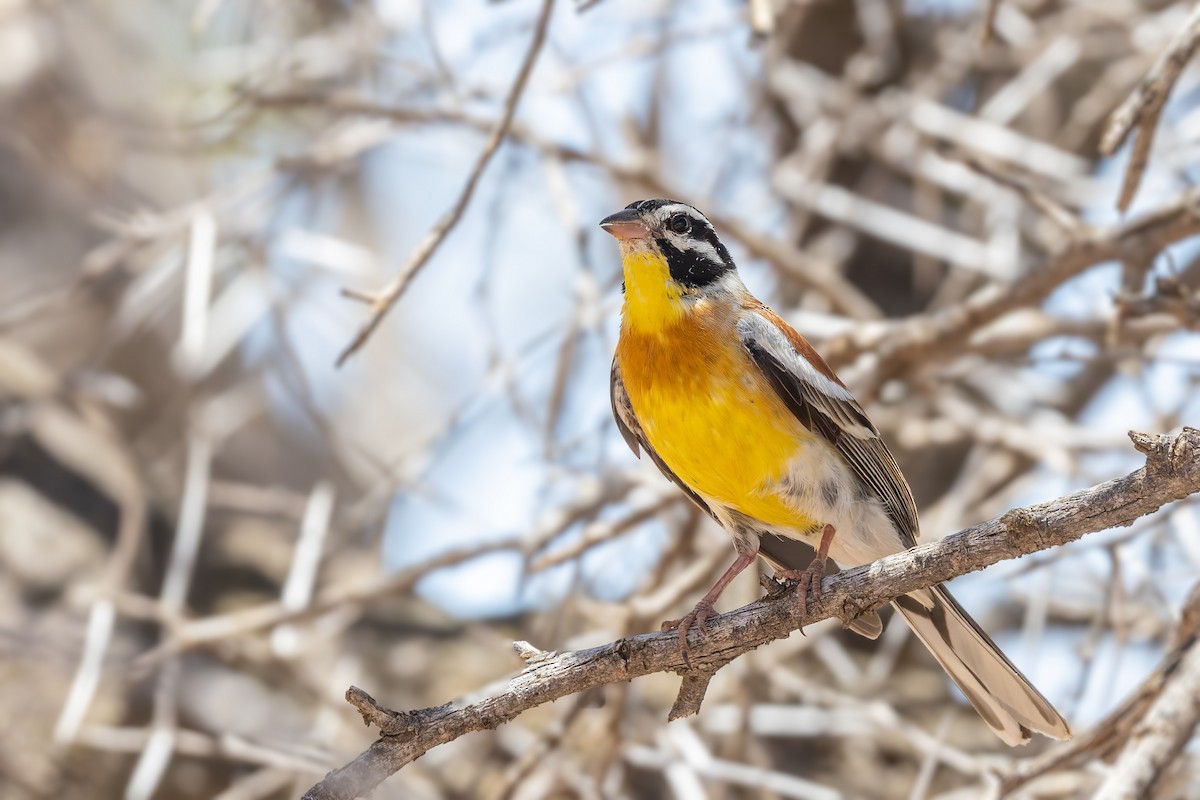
[(208, 531)]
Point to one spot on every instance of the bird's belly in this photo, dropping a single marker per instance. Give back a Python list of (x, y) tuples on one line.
[(731, 442)]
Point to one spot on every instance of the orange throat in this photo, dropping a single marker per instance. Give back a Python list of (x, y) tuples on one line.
[(704, 407)]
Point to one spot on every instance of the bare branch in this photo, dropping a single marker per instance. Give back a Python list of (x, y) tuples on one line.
[(933, 337), (1143, 107), (382, 302), (1154, 743), (1105, 738), (914, 216), (988, 31), (762, 17), (220, 627), (1172, 472), (805, 267)]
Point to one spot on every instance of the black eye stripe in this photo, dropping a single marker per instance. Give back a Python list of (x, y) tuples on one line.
[(694, 267), (690, 268)]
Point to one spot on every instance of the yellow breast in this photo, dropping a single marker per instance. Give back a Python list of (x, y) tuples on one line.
[(710, 415)]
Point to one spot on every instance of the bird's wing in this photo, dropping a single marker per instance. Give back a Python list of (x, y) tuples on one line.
[(631, 432), (825, 406)]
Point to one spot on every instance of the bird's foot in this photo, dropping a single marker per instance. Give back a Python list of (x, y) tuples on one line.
[(808, 585), (698, 617)]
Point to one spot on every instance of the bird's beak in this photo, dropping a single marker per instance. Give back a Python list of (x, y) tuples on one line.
[(626, 224)]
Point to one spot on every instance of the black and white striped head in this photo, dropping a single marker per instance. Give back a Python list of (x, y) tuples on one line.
[(682, 235)]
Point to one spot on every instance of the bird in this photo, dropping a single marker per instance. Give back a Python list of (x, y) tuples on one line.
[(739, 411)]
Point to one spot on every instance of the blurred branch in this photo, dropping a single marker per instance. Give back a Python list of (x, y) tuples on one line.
[(804, 266), (762, 17), (602, 531), (198, 744), (988, 33), (104, 459), (1172, 472), (217, 628), (1155, 742), (189, 531), (381, 302), (1143, 107), (933, 337), (1106, 737)]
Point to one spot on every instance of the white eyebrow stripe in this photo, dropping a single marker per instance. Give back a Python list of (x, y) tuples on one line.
[(701, 246), (666, 212)]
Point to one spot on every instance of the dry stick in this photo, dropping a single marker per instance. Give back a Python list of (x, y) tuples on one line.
[(805, 267), (1155, 741), (1144, 106), (1105, 738), (762, 17), (1050, 208), (160, 745), (1172, 472), (988, 32), (601, 532), (382, 301), (1160, 738), (210, 630), (226, 746), (116, 474), (933, 337)]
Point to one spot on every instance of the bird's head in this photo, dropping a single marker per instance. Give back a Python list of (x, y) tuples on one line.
[(670, 254)]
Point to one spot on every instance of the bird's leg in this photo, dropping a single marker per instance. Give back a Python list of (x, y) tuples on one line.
[(706, 608), (809, 579)]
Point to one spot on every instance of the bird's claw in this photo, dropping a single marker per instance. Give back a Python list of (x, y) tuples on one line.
[(698, 617), (808, 583)]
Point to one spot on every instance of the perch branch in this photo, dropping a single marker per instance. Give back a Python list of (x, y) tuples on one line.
[(1172, 472)]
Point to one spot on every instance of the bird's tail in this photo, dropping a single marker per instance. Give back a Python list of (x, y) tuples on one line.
[(1003, 696)]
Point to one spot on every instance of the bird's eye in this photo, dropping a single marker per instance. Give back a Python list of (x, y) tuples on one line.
[(680, 223)]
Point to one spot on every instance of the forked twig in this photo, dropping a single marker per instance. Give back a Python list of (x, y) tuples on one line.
[(1144, 106), (382, 301)]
